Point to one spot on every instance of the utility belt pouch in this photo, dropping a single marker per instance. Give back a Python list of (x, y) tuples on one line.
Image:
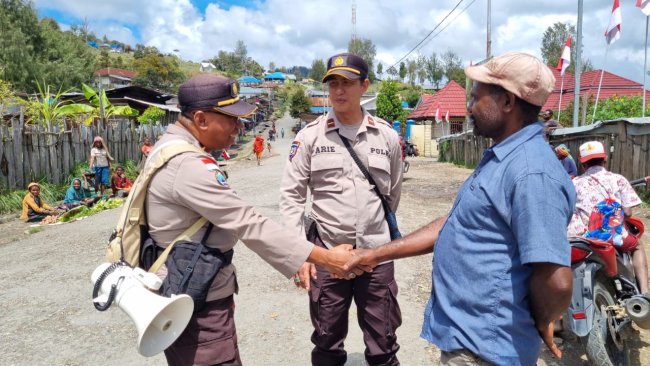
[(149, 251), (191, 268), (311, 229)]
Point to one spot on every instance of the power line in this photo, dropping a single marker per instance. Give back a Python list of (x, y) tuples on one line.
[(448, 24), (427, 36)]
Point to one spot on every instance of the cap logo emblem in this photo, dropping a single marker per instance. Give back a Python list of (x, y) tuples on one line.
[(491, 65), (234, 90), (338, 61)]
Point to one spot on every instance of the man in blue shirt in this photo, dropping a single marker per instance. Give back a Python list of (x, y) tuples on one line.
[(501, 272)]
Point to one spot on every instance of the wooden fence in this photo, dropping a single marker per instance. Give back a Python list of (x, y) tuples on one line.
[(627, 142), (29, 153)]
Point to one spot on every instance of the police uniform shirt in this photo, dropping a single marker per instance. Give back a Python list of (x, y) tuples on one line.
[(191, 186), (344, 204)]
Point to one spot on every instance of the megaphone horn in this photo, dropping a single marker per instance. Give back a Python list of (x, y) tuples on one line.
[(159, 320)]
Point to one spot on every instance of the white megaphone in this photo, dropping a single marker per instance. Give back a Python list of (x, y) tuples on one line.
[(158, 319)]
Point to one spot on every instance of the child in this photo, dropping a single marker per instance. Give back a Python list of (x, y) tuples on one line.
[(101, 160)]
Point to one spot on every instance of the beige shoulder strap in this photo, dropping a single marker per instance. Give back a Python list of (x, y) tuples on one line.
[(132, 215), (186, 235)]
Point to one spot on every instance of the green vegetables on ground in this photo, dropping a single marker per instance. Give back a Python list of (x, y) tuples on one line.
[(83, 211)]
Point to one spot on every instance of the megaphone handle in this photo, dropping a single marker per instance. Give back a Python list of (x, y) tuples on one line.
[(98, 285)]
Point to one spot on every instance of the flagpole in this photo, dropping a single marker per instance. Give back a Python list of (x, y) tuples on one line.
[(645, 64), (559, 107), (602, 72)]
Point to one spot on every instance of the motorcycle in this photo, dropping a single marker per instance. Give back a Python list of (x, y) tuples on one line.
[(606, 300)]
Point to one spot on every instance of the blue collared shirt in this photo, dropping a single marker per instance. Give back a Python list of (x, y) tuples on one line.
[(512, 211)]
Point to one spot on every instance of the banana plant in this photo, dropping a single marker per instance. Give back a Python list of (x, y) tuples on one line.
[(45, 107), (96, 104)]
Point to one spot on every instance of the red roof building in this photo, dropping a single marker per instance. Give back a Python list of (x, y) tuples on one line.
[(613, 85), (111, 78), (452, 99)]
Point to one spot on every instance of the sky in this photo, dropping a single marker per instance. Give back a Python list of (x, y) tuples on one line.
[(290, 32)]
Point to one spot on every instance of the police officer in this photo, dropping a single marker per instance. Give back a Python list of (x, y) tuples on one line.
[(346, 209), (191, 186)]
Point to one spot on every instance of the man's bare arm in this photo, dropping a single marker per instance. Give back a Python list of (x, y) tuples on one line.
[(418, 242), (550, 295)]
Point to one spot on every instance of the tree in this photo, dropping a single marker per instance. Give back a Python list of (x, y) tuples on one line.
[(389, 106), (402, 71), (20, 43), (6, 95), (365, 49), (392, 71), (411, 95), (553, 44), (380, 69), (271, 66), (411, 70), (103, 60), (452, 66), (156, 71), (298, 101), (434, 70), (241, 55), (151, 115), (65, 59), (318, 70)]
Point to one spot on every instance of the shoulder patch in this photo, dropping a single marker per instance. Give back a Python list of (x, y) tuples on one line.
[(294, 149), (221, 179)]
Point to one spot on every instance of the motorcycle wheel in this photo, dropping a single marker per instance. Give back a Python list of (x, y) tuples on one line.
[(599, 345)]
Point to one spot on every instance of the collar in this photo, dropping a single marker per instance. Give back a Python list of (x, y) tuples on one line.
[(182, 132), (333, 123), (595, 170), (505, 147)]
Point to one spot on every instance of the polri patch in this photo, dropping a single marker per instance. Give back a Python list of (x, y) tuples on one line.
[(221, 179), (294, 149), (210, 164)]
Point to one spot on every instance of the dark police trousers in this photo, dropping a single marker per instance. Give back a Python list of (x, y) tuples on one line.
[(378, 314)]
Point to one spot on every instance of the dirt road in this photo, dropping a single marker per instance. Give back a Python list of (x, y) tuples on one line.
[(48, 317)]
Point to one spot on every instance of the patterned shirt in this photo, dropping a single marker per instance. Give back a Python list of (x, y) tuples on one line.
[(101, 157), (595, 185)]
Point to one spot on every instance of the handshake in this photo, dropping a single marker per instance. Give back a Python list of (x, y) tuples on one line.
[(342, 262)]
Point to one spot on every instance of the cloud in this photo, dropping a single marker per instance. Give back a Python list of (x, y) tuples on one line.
[(296, 32)]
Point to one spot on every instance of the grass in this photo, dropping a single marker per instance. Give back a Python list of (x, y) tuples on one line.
[(12, 201), (34, 230)]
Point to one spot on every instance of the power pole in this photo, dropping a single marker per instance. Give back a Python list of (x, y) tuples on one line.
[(488, 44), (354, 21), (576, 90)]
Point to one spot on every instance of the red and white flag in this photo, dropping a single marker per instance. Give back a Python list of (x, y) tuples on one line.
[(613, 31), (438, 115), (644, 5), (565, 59), (447, 117)]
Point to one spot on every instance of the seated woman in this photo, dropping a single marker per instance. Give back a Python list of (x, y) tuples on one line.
[(120, 184), (76, 194), (34, 209)]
